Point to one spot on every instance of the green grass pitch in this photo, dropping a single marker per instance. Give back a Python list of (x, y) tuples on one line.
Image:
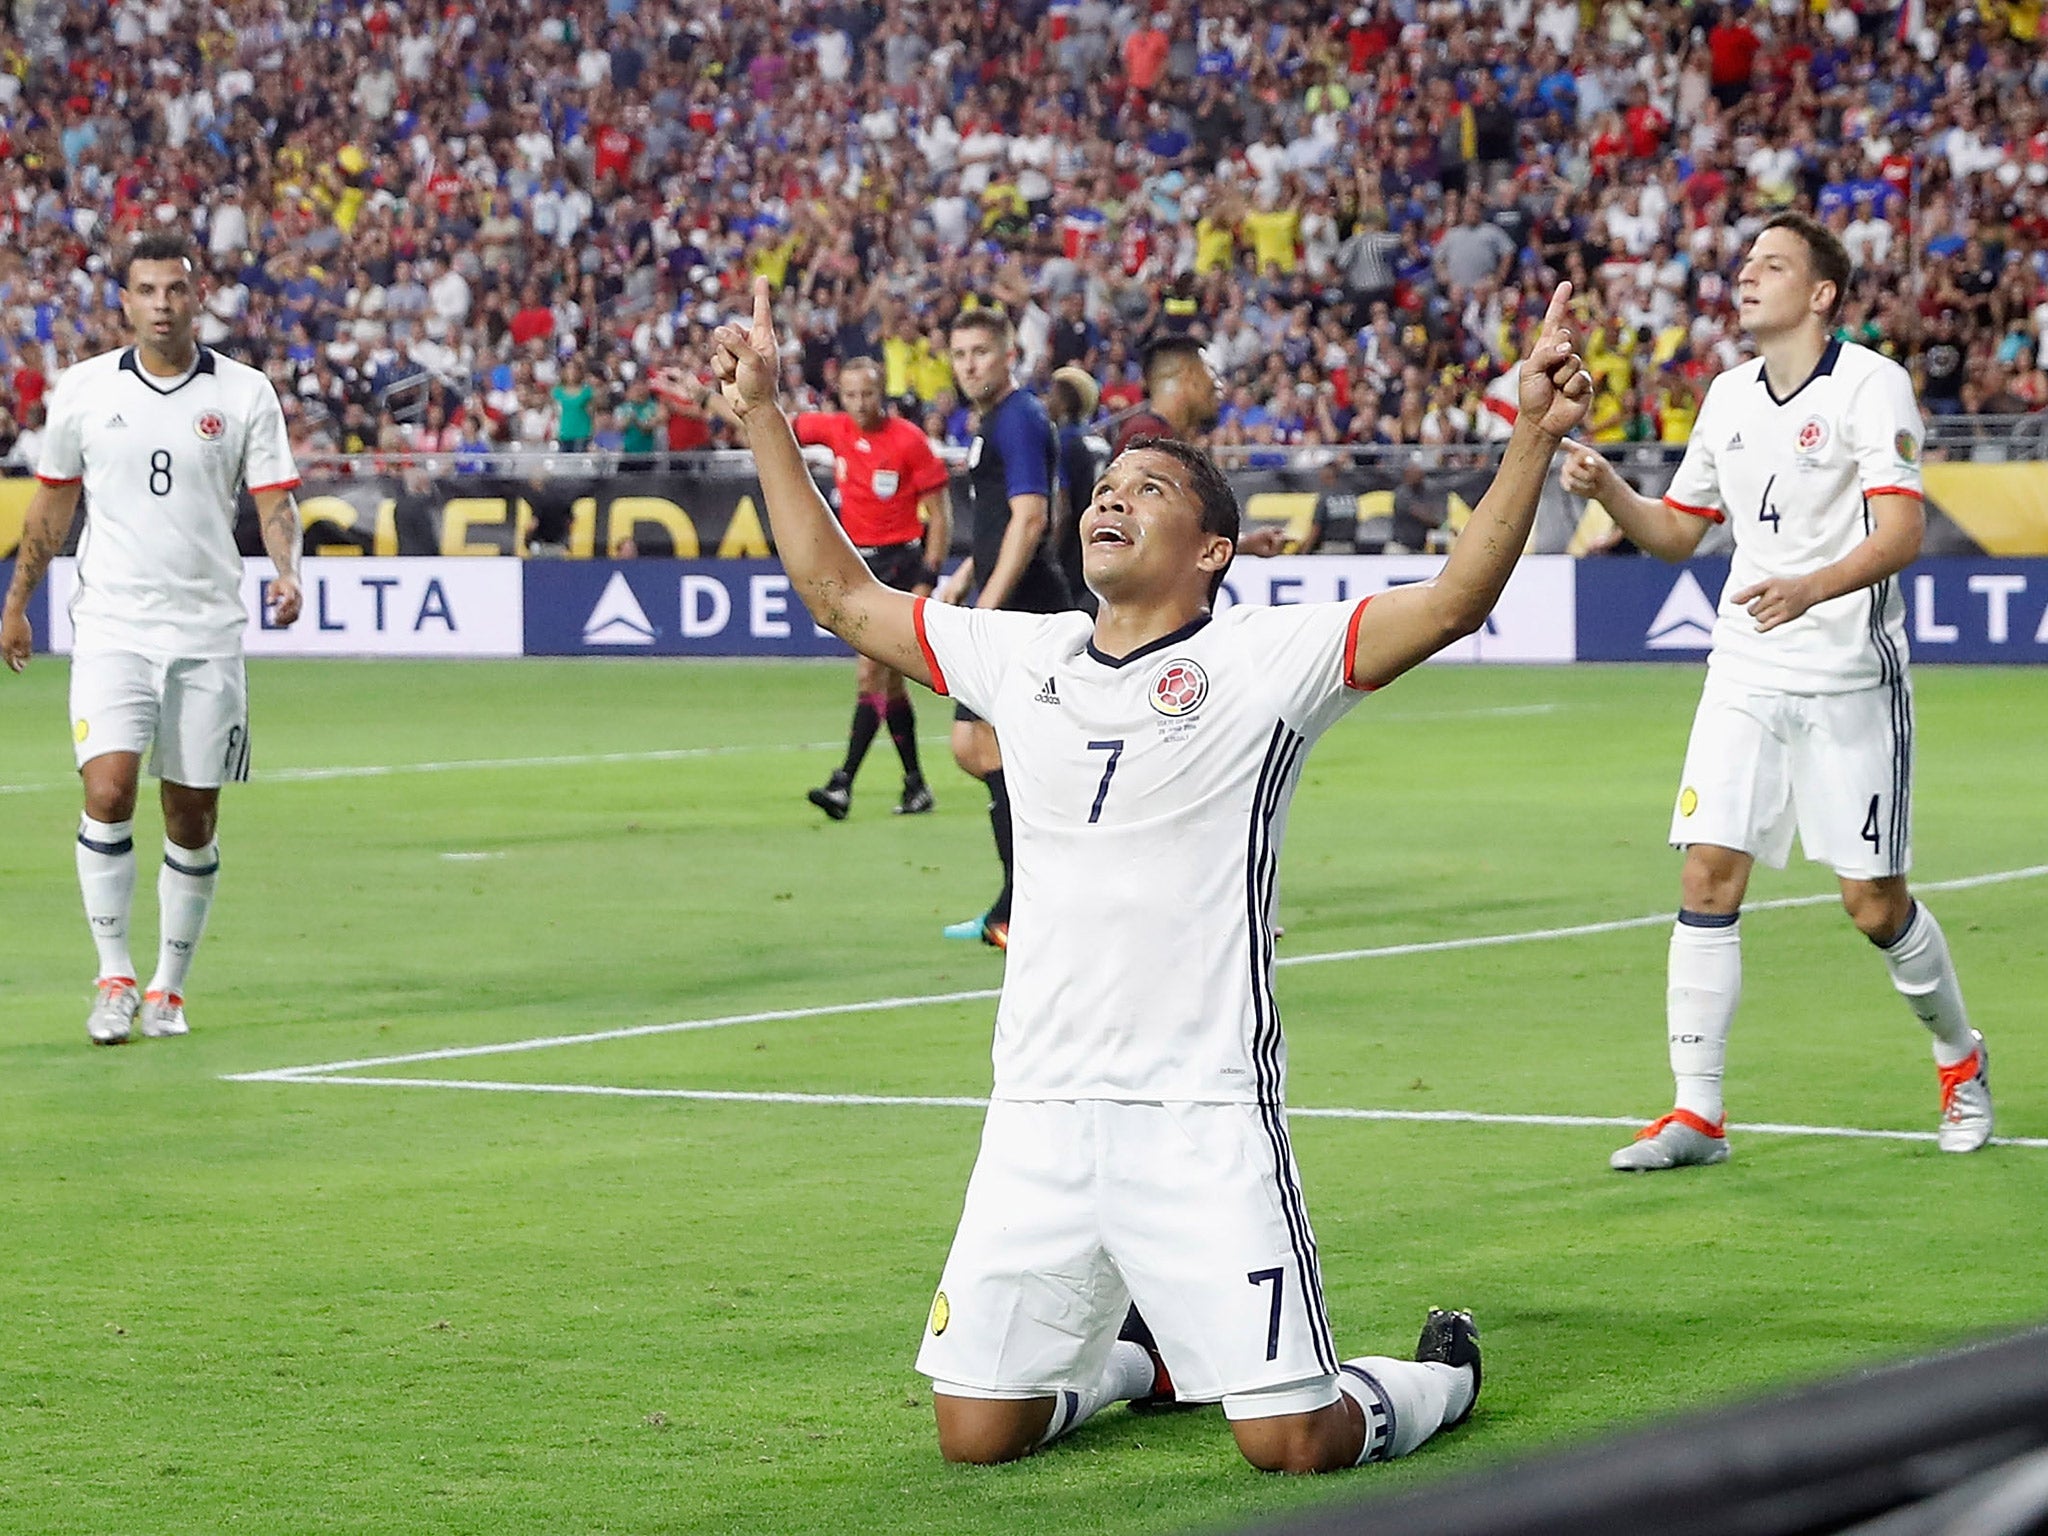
[(309, 1308)]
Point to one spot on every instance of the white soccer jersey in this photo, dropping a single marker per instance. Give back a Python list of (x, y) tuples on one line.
[(1793, 478), (162, 462), (1149, 797)]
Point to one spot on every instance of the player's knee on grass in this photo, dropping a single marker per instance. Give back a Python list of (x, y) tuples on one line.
[(190, 815), (110, 785), (1714, 880), (983, 1432), (1325, 1440), (1878, 908)]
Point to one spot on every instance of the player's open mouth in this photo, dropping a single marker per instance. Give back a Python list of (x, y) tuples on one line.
[(1109, 534)]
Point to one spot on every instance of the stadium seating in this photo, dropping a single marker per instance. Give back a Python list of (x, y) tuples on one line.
[(411, 207)]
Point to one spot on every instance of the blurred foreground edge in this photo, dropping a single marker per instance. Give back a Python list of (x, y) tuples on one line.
[(1941, 1445)]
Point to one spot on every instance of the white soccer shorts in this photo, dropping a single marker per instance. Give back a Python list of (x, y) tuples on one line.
[(1837, 766), (1078, 1207), (193, 710)]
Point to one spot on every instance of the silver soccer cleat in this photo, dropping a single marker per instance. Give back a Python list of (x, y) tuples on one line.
[(1679, 1140), (163, 1013), (113, 1011), (1966, 1103)]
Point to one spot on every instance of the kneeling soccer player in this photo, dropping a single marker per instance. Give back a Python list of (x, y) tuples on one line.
[(1136, 1147)]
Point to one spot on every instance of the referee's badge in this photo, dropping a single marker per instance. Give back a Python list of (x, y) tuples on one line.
[(1179, 687), (942, 1314), (209, 426), (885, 483)]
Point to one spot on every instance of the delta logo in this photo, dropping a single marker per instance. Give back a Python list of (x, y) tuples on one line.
[(1179, 688)]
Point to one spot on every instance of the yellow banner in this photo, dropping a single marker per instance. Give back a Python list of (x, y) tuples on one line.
[(2004, 507)]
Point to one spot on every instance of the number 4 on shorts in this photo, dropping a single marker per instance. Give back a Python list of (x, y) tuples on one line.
[(1870, 834)]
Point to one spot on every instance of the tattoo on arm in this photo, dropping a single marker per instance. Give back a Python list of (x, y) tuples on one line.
[(42, 540), (281, 532)]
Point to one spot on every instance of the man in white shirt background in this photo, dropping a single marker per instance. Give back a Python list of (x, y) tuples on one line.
[(1812, 453), (160, 438)]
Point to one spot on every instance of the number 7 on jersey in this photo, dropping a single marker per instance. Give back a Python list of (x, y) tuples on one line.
[(1115, 749)]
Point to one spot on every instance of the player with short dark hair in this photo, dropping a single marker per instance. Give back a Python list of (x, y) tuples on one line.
[(1136, 1147), (1812, 453), (159, 438), (1012, 467), (1183, 397)]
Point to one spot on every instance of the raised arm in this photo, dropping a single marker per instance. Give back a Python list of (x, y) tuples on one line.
[(833, 582), (42, 535), (1656, 527), (1401, 628)]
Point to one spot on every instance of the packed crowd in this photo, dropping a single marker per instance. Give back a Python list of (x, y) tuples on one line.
[(476, 224)]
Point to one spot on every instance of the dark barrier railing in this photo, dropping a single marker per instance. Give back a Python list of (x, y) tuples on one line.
[(2003, 438), (1941, 1444)]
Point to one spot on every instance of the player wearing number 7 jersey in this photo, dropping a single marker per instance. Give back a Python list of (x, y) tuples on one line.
[(1136, 1147), (1812, 454), (160, 438)]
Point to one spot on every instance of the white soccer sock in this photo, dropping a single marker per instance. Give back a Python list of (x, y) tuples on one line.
[(184, 893), (1926, 979), (1704, 983), (1404, 1401), (1128, 1375), (106, 878)]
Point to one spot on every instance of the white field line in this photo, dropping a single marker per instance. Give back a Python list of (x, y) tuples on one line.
[(925, 1101), (829, 1010), (473, 764), (672, 754)]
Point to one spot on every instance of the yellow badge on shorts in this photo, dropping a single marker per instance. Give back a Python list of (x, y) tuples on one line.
[(1688, 800), (80, 730), (942, 1314)]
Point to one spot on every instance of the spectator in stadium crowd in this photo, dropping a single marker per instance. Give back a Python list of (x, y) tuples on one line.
[(486, 185)]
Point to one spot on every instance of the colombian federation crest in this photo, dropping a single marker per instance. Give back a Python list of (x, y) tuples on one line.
[(1813, 435), (1179, 688), (209, 426)]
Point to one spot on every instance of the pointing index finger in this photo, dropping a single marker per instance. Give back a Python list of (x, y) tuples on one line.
[(764, 315), (1554, 316)]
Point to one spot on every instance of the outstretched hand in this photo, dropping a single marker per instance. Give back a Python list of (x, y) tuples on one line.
[(1555, 388), (747, 360), (1585, 471), (684, 393)]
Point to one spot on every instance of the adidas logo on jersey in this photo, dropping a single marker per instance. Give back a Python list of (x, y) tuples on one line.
[(1049, 694), (115, 421), (1734, 444)]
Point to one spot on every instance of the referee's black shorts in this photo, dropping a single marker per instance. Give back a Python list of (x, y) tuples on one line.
[(897, 565)]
